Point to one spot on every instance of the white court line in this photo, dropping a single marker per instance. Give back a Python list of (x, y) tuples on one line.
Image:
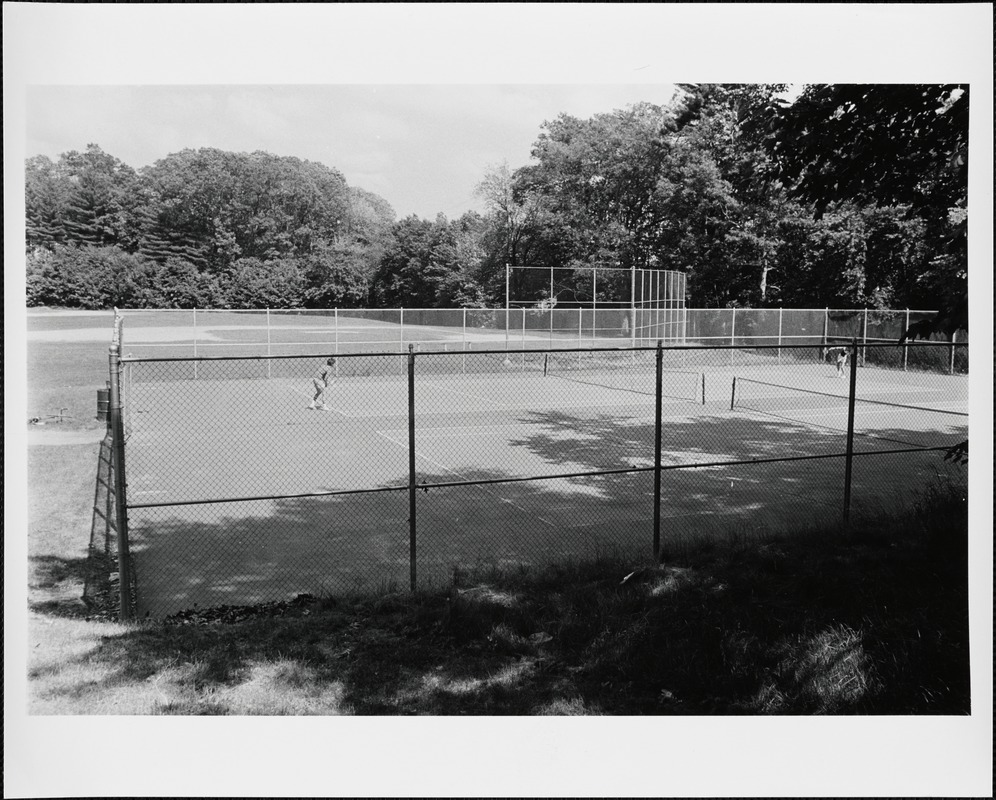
[(464, 478)]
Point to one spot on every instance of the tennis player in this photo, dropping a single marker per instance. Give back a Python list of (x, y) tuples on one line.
[(321, 380), (842, 354)]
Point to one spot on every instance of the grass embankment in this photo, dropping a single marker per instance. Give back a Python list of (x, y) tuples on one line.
[(871, 620)]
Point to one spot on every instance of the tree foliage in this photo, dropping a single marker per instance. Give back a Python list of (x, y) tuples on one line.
[(849, 196)]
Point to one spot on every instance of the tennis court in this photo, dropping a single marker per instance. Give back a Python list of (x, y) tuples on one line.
[(519, 458)]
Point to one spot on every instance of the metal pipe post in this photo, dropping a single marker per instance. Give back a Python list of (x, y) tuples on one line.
[(733, 333), (120, 486), (657, 453), (864, 339), (507, 305), (906, 347), (594, 302), (411, 465), (632, 307), (779, 334), (848, 463)]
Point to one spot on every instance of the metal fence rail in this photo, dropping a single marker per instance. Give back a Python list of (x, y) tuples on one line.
[(238, 492), (205, 332)]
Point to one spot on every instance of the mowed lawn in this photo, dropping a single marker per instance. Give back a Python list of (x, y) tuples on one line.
[(870, 620)]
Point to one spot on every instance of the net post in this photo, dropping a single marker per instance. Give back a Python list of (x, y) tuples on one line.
[(954, 335), (849, 461), (733, 393), (125, 610), (269, 373), (402, 325), (463, 365), (658, 393), (195, 341), (703, 389), (411, 466)]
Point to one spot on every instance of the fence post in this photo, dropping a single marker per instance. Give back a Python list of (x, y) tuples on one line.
[(507, 305), (195, 342), (411, 465), (733, 333), (580, 334), (864, 340), (523, 342), (780, 334), (120, 485), (657, 453), (848, 463), (269, 374), (906, 347), (594, 302), (402, 310)]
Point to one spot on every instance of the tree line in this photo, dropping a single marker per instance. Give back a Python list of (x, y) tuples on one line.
[(848, 196)]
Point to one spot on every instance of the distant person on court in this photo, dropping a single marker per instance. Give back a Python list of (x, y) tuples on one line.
[(321, 381), (842, 355)]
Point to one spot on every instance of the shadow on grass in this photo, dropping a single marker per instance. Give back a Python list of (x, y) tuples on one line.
[(871, 621)]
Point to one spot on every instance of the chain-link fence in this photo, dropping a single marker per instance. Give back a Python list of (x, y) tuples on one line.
[(249, 480), (257, 332)]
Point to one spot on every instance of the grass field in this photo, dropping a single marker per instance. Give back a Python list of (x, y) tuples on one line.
[(813, 619)]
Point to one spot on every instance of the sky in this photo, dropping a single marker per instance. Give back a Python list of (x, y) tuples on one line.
[(413, 102), (423, 148)]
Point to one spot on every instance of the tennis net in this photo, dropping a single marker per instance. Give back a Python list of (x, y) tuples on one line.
[(936, 423), (631, 371)]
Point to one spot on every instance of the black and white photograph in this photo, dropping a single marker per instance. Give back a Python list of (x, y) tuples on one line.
[(498, 365)]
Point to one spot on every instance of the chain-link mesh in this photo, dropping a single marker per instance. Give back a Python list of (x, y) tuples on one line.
[(239, 492)]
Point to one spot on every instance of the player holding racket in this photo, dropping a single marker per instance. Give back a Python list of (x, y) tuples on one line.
[(321, 380), (842, 354)]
